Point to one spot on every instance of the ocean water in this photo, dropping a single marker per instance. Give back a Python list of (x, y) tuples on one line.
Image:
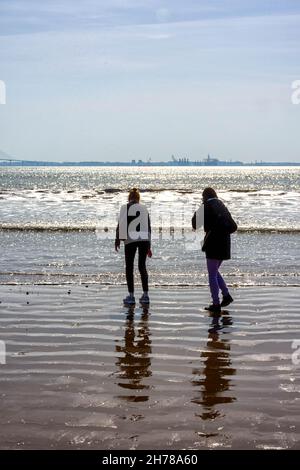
[(57, 224)]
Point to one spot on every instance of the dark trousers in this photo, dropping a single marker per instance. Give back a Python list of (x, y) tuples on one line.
[(216, 281), (130, 251)]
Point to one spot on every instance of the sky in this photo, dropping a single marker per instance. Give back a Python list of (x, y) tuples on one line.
[(115, 80)]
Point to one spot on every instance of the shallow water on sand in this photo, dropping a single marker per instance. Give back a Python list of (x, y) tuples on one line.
[(84, 372), (75, 257)]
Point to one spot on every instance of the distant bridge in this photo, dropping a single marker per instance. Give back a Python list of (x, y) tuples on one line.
[(12, 160)]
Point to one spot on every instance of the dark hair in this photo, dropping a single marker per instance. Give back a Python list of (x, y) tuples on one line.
[(134, 195), (208, 193)]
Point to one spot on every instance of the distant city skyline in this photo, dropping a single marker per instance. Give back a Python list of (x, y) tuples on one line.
[(116, 80), (7, 160)]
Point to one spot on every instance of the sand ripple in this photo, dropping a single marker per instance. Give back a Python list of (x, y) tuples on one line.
[(83, 372)]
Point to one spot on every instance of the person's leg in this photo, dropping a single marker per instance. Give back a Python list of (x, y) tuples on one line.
[(143, 250), (212, 268), (222, 284), (130, 250), (227, 299)]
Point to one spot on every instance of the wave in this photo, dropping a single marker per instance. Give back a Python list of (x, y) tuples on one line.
[(115, 190), (78, 280), (57, 227), (145, 190), (48, 228), (269, 229)]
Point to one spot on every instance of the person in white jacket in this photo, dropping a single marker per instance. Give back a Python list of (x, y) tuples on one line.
[(134, 229)]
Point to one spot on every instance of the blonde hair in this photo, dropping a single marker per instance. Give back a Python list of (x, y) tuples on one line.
[(134, 195)]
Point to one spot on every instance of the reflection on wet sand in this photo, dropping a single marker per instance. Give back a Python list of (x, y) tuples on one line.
[(214, 378), (63, 374), (134, 362)]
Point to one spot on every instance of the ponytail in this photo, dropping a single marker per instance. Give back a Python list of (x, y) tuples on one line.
[(134, 195)]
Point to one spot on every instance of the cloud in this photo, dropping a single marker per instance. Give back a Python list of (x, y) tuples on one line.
[(202, 50), (19, 16), (163, 15)]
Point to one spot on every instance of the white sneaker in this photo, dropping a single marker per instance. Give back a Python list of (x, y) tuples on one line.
[(129, 300), (145, 299)]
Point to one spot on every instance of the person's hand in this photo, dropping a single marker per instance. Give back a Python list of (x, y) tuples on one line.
[(117, 245), (149, 253)]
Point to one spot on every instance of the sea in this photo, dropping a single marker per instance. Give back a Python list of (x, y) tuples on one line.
[(57, 224), (80, 370)]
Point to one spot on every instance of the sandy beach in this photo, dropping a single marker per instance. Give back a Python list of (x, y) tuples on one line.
[(83, 372)]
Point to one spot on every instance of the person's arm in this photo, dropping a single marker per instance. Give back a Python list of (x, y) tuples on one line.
[(122, 227), (149, 230), (117, 239), (194, 221), (230, 224), (222, 219), (209, 218), (149, 253)]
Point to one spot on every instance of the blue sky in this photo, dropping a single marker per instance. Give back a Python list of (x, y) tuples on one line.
[(123, 79)]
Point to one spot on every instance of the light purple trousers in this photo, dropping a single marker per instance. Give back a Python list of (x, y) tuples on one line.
[(216, 282)]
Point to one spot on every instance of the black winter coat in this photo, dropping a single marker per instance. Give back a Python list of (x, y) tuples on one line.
[(218, 225)]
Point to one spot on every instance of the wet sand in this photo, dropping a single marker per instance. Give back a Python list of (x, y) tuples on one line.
[(83, 372)]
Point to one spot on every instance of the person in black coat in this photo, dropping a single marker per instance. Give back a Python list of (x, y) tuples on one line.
[(218, 225)]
